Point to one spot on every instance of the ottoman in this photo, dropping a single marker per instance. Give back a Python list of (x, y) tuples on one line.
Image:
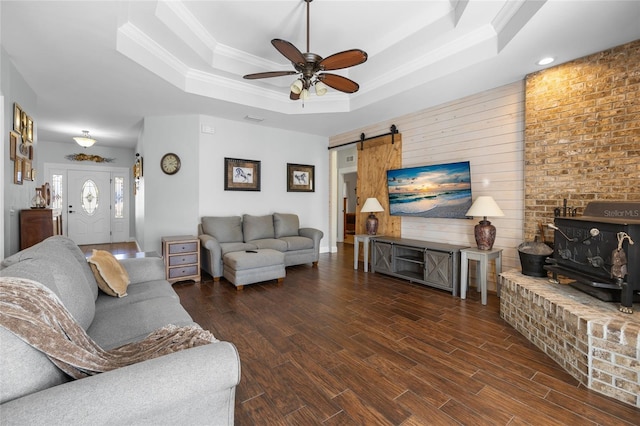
[(248, 267)]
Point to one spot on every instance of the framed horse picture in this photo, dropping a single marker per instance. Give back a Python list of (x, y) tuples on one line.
[(241, 175), (300, 178)]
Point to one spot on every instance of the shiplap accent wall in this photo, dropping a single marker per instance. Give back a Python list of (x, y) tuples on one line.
[(486, 129)]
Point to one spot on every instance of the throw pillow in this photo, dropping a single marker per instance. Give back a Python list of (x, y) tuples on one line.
[(110, 275), (286, 225)]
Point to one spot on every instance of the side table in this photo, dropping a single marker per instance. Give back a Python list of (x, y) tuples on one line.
[(482, 258), (365, 238), (181, 258)]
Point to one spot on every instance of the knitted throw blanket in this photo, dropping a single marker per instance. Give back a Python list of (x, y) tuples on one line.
[(35, 314)]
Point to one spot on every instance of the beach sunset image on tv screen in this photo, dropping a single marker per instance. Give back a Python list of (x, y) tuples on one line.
[(442, 190)]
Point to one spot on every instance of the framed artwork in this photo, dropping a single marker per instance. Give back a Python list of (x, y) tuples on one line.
[(29, 129), (17, 171), (241, 175), (300, 178), (23, 127), (17, 118), (30, 152), (26, 170), (13, 144)]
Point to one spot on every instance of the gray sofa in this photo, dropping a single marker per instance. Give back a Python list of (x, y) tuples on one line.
[(194, 386), (279, 231)]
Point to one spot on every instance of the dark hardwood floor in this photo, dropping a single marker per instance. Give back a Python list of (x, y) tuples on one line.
[(335, 346)]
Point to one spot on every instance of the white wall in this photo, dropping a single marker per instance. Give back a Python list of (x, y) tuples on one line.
[(169, 202), (173, 205), (16, 197), (274, 148), (486, 129)]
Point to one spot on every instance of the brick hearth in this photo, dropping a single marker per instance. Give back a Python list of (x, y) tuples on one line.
[(590, 339)]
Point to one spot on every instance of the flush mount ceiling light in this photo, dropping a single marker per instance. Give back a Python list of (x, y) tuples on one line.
[(545, 61), (85, 140), (310, 66)]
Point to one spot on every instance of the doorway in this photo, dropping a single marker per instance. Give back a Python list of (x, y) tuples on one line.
[(93, 201)]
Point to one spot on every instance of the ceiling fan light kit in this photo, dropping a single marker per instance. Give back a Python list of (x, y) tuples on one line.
[(310, 68)]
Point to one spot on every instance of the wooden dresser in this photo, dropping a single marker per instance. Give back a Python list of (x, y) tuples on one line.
[(37, 225), (181, 258)]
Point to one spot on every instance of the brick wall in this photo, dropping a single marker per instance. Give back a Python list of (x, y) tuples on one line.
[(582, 134)]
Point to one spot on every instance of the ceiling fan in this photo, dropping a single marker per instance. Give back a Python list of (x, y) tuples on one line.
[(311, 67)]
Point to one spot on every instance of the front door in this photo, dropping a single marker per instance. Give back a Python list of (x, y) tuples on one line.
[(89, 206)]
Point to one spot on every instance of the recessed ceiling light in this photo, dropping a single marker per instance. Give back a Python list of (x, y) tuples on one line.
[(545, 61)]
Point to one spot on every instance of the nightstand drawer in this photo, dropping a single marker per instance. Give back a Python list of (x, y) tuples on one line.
[(183, 260), (183, 247), (183, 272)]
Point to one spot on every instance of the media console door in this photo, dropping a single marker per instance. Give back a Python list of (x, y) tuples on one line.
[(438, 269), (382, 258)]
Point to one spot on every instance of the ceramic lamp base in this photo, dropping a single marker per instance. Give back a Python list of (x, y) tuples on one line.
[(372, 224), (485, 234)]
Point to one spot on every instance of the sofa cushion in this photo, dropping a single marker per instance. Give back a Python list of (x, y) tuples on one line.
[(135, 293), (231, 247), (270, 243), (257, 227), (298, 243), (124, 323), (111, 277), (64, 277), (225, 229), (285, 225), (54, 248)]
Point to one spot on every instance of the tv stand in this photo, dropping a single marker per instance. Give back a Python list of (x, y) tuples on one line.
[(433, 264)]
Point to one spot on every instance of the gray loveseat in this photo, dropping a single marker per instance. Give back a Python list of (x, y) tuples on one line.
[(279, 231), (192, 386)]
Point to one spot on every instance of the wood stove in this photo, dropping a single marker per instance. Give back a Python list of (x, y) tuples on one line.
[(584, 250)]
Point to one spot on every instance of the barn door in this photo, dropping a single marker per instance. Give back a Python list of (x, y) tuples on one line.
[(375, 157)]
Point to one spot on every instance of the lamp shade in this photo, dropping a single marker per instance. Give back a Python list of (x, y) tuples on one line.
[(485, 206), (372, 205), (297, 87), (321, 88)]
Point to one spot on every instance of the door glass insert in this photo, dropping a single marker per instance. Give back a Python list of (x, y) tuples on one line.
[(89, 197), (119, 197)]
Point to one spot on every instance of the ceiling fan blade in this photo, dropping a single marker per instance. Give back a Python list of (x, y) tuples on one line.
[(268, 74), (339, 82), (345, 59), (293, 96), (289, 51)]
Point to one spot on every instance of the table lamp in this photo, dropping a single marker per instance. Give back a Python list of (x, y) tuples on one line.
[(371, 206), (485, 232)]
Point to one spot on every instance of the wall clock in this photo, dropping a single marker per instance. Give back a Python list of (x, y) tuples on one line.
[(170, 163)]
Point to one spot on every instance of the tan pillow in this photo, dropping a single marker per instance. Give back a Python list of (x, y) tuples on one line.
[(111, 276)]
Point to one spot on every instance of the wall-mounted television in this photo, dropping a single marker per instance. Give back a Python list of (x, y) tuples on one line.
[(439, 190)]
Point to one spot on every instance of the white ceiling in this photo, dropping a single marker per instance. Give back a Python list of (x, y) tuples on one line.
[(104, 65)]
